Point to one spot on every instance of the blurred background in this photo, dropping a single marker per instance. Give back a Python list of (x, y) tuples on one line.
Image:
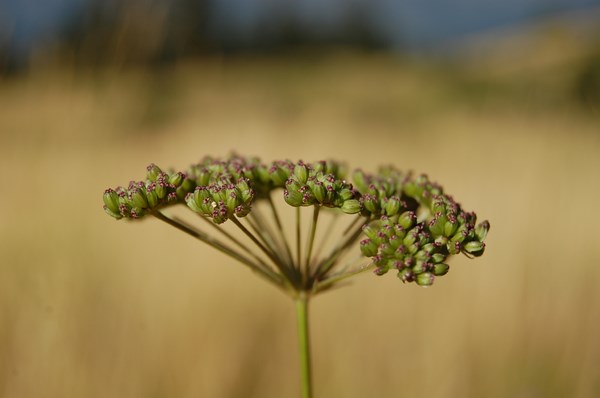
[(498, 101)]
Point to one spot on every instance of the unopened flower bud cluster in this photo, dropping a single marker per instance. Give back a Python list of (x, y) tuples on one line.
[(410, 224)]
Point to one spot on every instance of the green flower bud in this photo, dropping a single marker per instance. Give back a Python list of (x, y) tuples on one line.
[(346, 194), (184, 188), (406, 275), (361, 180), (136, 212), (440, 269), (420, 267), (301, 172), (161, 189), (453, 247), (481, 230), (111, 200), (351, 206), (475, 248), (392, 206), (450, 228), (244, 191), (368, 247), (153, 171), (138, 198), (425, 279), (111, 213), (292, 194), (279, 174), (407, 219), (438, 258), (318, 190), (371, 229), (370, 203), (176, 178), (410, 238)]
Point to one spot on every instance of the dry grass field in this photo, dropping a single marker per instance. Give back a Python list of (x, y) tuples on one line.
[(93, 308)]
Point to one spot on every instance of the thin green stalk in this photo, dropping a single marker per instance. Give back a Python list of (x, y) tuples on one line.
[(328, 232), (298, 238), (262, 231), (257, 242), (286, 271), (304, 344), (326, 265), (231, 238), (311, 239), (280, 228), (338, 277), (262, 269)]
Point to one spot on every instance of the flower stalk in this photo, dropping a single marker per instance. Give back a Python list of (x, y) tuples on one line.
[(394, 221), (304, 345)]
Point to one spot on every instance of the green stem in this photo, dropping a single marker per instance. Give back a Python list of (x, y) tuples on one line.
[(298, 238), (280, 228), (304, 344), (311, 240)]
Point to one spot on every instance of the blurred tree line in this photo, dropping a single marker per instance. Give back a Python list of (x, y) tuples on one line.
[(109, 32)]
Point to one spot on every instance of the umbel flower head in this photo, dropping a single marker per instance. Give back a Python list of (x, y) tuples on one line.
[(396, 221)]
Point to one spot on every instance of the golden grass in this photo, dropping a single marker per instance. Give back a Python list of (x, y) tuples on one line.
[(95, 308)]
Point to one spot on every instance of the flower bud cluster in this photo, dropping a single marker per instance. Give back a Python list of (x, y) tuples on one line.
[(140, 197), (412, 226), (417, 247), (222, 199), (382, 194), (320, 185)]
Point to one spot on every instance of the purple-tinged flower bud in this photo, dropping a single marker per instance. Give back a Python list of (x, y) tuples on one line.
[(136, 212), (370, 203), (111, 213), (242, 210), (393, 206), (440, 269), (301, 172), (368, 247), (440, 241), (231, 201), (425, 279), (351, 206), (111, 200), (151, 195), (161, 188), (410, 238), (176, 178), (371, 229), (453, 247), (219, 214), (450, 227), (407, 219), (138, 198), (481, 230), (406, 275), (292, 196), (380, 271), (279, 173), (153, 171), (318, 190), (244, 191)]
